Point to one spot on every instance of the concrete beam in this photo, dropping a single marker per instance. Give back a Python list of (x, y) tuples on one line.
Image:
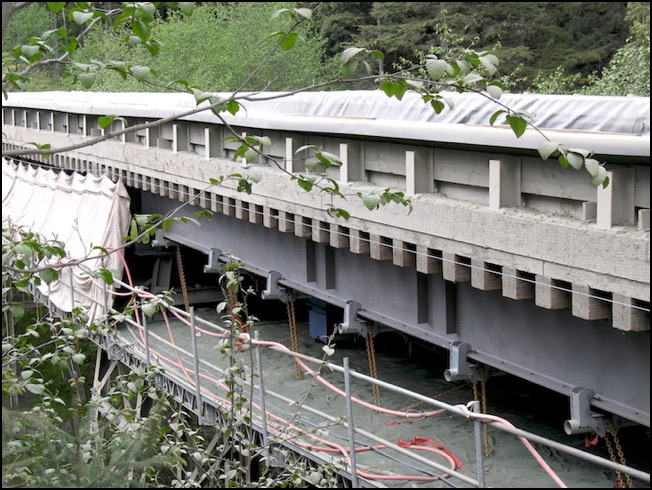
[(359, 242), (285, 222), (270, 218), (427, 262), (302, 227), (628, 316), (454, 268), (643, 220), (242, 210), (339, 236), (380, 249), (548, 295), (320, 232), (514, 287), (483, 278), (403, 256), (586, 306), (255, 214)]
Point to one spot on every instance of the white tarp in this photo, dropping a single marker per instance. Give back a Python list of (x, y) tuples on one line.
[(82, 211)]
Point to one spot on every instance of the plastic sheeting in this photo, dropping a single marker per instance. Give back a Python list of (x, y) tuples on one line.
[(83, 212), (622, 115)]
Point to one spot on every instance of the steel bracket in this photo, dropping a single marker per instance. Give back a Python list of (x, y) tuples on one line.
[(582, 418), (213, 266), (350, 323), (273, 290), (160, 241), (460, 369)]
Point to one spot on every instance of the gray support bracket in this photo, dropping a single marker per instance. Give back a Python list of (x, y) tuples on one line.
[(350, 323), (160, 241), (213, 266), (582, 418), (460, 369), (272, 289)]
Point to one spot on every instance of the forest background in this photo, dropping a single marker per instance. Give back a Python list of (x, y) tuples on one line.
[(598, 48)]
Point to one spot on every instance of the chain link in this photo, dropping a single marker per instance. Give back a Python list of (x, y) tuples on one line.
[(373, 366), (485, 427), (182, 278), (294, 336), (435, 397), (621, 454)]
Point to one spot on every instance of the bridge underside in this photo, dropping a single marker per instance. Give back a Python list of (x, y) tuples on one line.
[(552, 348)]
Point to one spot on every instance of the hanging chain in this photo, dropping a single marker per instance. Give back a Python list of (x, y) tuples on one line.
[(182, 277), (373, 366), (435, 397), (485, 426), (621, 455), (294, 336)]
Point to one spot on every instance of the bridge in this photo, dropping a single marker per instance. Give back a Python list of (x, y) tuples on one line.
[(507, 261)]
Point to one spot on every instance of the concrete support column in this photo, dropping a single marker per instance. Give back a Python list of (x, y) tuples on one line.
[(213, 147), (419, 175), (616, 205), (505, 183), (255, 214), (293, 162), (352, 169), (643, 220), (242, 210)]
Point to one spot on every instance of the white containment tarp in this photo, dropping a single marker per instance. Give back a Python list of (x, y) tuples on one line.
[(82, 212)]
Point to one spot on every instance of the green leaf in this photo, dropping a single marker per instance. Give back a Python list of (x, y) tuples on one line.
[(107, 276), (575, 160), (304, 12), (495, 91), (437, 69), (233, 106), (349, 53), (141, 73), (105, 121), (437, 105), (517, 124), (28, 51), (592, 166), (17, 311), (186, 8), (371, 201), (49, 275), (78, 358), (149, 309), (82, 17), (327, 159), (141, 29), (472, 78), (289, 41), (88, 79), (600, 177), (488, 63), (36, 389), (548, 148), (563, 161), (55, 7)]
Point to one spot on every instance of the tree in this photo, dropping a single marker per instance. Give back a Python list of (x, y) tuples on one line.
[(23, 253)]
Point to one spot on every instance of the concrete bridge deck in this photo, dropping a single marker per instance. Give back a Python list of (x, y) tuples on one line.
[(538, 272)]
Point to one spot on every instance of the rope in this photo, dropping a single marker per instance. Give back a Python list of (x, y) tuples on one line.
[(294, 335), (621, 457), (182, 277), (373, 366)]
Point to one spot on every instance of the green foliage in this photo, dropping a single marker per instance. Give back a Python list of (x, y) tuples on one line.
[(31, 21), (217, 47)]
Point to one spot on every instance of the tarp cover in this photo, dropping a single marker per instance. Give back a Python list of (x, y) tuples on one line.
[(82, 211)]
